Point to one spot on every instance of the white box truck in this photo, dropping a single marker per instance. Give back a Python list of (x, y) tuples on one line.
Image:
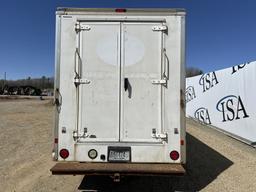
[(119, 91)]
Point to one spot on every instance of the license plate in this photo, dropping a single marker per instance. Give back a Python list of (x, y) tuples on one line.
[(119, 154)]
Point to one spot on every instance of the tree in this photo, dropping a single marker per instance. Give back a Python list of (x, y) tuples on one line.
[(43, 82), (193, 71)]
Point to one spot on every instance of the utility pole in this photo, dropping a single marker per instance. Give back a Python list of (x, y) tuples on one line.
[(3, 82), (4, 77)]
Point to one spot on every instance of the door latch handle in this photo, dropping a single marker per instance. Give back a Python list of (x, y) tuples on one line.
[(126, 84)]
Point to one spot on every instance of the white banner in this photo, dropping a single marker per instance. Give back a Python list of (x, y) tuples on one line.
[(225, 99)]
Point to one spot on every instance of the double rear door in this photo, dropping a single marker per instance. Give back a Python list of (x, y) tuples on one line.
[(119, 61)]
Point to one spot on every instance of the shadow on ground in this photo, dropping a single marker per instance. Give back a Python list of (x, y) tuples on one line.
[(203, 165)]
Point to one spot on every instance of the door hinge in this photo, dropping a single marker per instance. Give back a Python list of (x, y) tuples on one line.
[(159, 81), (161, 136), (81, 81), (160, 28), (81, 27), (77, 136)]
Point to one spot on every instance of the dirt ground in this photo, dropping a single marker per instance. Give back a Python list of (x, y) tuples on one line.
[(215, 161)]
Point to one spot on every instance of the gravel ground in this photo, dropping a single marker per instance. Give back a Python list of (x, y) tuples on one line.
[(226, 164), (216, 162), (25, 148)]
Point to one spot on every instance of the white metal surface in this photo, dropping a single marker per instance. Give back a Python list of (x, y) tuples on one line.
[(120, 83), (141, 103), (99, 101)]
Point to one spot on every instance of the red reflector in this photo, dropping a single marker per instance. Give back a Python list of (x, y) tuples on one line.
[(181, 142), (56, 140), (120, 10), (64, 153), (174, 155)]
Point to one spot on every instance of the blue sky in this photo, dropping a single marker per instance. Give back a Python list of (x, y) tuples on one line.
[(219, 33)]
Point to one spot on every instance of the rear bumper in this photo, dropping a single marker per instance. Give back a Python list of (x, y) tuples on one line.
[(77, 168)]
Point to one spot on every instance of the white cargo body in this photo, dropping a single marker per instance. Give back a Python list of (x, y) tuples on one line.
[(119, 91)]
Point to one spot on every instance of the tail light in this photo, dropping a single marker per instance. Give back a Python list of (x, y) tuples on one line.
[(64, 153), (174, 155)]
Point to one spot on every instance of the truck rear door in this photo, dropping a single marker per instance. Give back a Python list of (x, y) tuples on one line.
[(99, 65), (119, 93), (141, 64)]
